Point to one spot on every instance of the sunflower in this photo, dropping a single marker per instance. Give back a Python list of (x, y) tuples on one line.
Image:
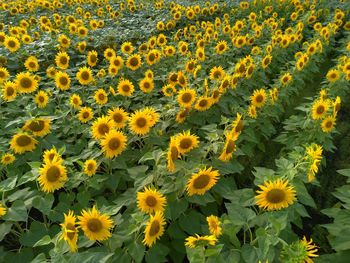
[(154, 229), (38, 126), (217, 73), (221, 47), (168, 90), (153, 57), (31, 64), (113, 144), (22, 142), (181, 79), (214, 225), (117, 62), (62, 80), (4, 74), (7, 158), (134, 62), (266, 61), (85, 114), (186, 142), (319, 108), (41, 99), (275, 195), (3, 210), (109, 53), (52, 156), (101, 97), (203, 103), (146, 85), (70, 231), (309, 248), (186, 97), (101, 127), (258, 98), (12, 44), (172, 154), (62, 60), (90, 167), (127, 48), (75, 101), (237, 125), (230, 146), (286, 78), (84, 76), (299, 251), (149, 74), (125, 87), (202, 181), (336, 106), (53, 176), (152, 114), (140, 123), (328, 124), (51, 72), (333, 75), (119, 116), (150, 201), (9, 91), (26, 83), (96, 226), (92, 58), (195, 241)]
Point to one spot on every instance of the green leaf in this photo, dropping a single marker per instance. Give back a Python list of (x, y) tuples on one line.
[(137, 171), (136, 251), (45, 240), (43, 204), (5, 228), (90, 257), (17, 212), (8, 184), (239, 215)]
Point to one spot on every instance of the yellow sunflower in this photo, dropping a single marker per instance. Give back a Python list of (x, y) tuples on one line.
[(230, 146), (140, 123), (221, 47), (266, 61), (275, 195), (150, 201), (85, 114), (336, 105), (152, 114), (90, 167), (119, 116), (154, 229), (7, 158), (52, 156), (3, 210), (62, 60), (309, 249), (101, 127), (134, 62), (70, 231), (203, 103), (31, 64), (172, 154), (125, 87), (53, 176), (186, 142), (168, 90), (101, 97), (38, 126), (186, 97), (62, 80), (92, 58), (146, 85), (75, 101), (127, 48), (328, 124), (333, 75), (217, 73), (109, 53), (4, 74), (41, 99), (22, 142), (117, 62), (286, 78), (258, 98), (202, 181), (9, 91), (84, 76), (195, 241), (319, 108), (214, 225), (12, 44), (26, 83), (96, 226), (113, 144)]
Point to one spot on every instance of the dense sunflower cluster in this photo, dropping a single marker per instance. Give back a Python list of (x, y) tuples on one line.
[(158, 113)]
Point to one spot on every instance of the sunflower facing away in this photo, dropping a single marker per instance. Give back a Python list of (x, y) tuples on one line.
[(150, 201), (22, 142), (154, 229), (186, 142), (69, 231), (53, 176), (302, 251), (275, 195), (96, 226), (90, 167), (214, 225), (113, 144), (201, 182), (195, 241)]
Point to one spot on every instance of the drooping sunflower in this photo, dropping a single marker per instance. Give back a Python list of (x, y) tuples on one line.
[(113, 144), (172, 154), (53, 176), (230, 146), (75, 101), (70, 231), (299, 251), (217, 73), (134, 62), (127, 48), (146, 85), (9, 91), (84, 76), (214, 225), (92, 58), (101, 127), (12, 43), (38, 126), (26, 83), (119, 116), (101, 97), (333, 75), (90, 167), (125, 87), (22, 142), (96, 226), (195, 241), (258, 98), (41, 99), (328, 124), (85, 114), (62, 80), (150, 201), (201, 182), (7, 158), (275, 195), (266, 61), (31, 64), (154, 229), (62, 60), (319, 108), (3, 210), (186, 97), (140, 123)]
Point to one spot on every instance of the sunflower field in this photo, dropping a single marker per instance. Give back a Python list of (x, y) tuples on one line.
[(175, 131)]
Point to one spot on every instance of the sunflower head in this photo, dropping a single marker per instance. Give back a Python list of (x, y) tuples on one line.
[(113, 143), (90, 167), (195, 241), (70, 231), (150, 201), (53, 176), (201, 182), (299, 251), (186, 142), (154, 229), (23, 142)]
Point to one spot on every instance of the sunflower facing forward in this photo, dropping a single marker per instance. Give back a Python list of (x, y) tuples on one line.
[(84, 76), (154, 229), (186, 142), (101, 127), (38, 126), (201, 182), (150, 201), (113, 144), (275, 195), (119, 116), (26, 83), (69, 231), (53, 176), (140, 123), (23, 142), (96, 226)]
